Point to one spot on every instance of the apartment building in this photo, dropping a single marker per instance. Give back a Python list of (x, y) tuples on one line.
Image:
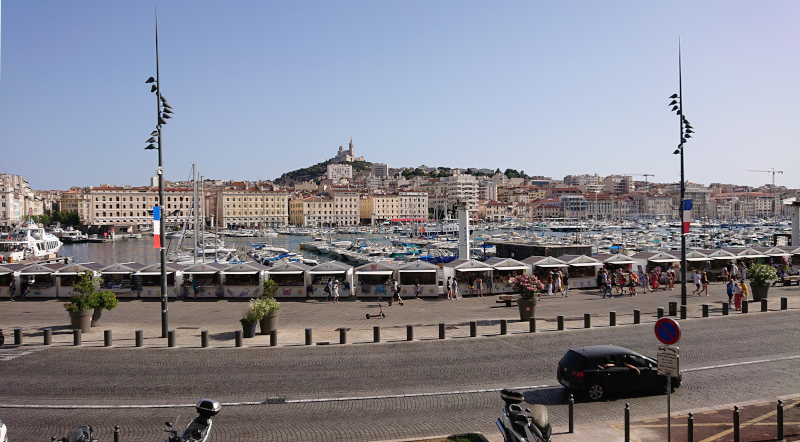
[(387, 207), (339, 171), (128, 206), (76, 200), (16, 199), (252, 208), (462, 187), (346, 203)]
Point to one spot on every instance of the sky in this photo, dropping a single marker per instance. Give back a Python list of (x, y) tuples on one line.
[(260, 88)]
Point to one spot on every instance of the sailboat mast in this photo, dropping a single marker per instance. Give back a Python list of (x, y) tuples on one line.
[(194, 210)]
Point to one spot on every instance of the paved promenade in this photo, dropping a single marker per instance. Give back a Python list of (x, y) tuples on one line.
[(221, 317)]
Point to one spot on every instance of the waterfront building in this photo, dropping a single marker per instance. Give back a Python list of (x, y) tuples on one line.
[(346, 210), (252, 208), (76, 200), (392, 206), (126, 206), (462, 187), (16, 199)]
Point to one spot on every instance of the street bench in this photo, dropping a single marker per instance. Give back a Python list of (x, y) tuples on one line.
[(788, 280), (507, 299)]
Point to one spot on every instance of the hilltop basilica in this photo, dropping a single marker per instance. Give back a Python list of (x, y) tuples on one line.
[(346, 156)]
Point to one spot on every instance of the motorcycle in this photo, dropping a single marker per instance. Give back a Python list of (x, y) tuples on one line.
[(199, 428), (3, 432), (84, 433), (516, 425)]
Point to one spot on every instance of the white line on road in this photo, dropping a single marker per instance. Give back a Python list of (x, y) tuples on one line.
[(363, 398)]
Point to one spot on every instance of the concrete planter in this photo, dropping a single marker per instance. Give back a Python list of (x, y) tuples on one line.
[(269, 322), (249, 329), (527, 309), (81, 320), (759, 292)]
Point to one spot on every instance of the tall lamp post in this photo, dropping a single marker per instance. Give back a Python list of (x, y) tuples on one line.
[(685, 130), (156, 137)]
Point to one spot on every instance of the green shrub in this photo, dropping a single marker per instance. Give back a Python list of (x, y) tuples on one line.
[(270, 288), (761, 275), (103, 299)]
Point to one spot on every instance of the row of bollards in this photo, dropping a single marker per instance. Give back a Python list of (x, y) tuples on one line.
[(690, 422), (376, 334)]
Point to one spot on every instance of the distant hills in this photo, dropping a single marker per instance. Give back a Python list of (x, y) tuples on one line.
[(315, 171)]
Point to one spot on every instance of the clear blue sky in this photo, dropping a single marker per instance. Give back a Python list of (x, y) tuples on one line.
[(264, 87)]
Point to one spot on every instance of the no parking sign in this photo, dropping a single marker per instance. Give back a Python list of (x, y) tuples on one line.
[(668, 331)]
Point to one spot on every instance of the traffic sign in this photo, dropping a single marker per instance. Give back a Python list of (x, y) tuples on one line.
[(668, 363), (669, 349), (668, 331)]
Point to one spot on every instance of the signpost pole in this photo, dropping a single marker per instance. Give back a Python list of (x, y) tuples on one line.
[(669, 411)]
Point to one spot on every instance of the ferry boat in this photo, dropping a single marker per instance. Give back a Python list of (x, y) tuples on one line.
[(28, 242)]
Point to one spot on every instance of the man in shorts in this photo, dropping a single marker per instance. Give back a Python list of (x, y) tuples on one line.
[(696, 282)]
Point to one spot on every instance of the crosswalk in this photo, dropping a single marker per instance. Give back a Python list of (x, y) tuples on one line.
[(9, 353)]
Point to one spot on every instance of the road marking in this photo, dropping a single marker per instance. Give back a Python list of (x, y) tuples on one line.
[(754, 421), (7, 354), (735, 364)]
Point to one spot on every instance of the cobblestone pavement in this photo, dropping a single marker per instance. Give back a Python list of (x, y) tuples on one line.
[(366, 392)]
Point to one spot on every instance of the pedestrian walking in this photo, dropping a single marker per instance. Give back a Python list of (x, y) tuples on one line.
[(729, 291), (456, 292), (329, 289), (470, 282), (195, 287), (607, 291), (645, 281), (737, 296), (565, 281), (489, 289), (24, 288), (478, 284), (696, 277), (632, 283), (417, 289), (550, 283), (653, 281), (559, 287), (603, 280), (12, 287), (396, 292), (704, 283), (336, 291), (449, 288), (744, 272)]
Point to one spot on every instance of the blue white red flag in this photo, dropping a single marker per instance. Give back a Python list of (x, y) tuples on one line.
[(687, 215), (157, 227)]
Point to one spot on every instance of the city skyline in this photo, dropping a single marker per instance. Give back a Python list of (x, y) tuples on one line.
[(553, 90)]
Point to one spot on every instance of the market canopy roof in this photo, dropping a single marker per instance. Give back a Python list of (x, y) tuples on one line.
[(205, 268), (40, 269), (580, 260), (506, 264), (289, 268), (418, 266), (657, 257), (126, 267), (155, 269), (471, 265), (74, 269), (618, 259), (378, 268), (244, 268), (544, 261), (751, 253), (331, 267), (696, 255), (777, 251), (5, 270)]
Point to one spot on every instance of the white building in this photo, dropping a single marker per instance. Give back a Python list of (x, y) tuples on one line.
[(16, 199), (379, 170), (339, 171)]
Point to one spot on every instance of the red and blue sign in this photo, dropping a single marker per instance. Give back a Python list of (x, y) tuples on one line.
[(668, 331)]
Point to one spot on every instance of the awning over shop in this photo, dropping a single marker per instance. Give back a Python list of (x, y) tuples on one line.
[(373, 272), (417, 270), (286, 272)]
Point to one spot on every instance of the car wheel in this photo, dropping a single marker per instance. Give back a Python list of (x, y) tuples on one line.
[(595, 392)]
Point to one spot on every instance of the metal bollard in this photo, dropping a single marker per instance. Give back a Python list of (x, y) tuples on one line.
[(780, 419), (237, 337), (76, 336), (627, 422), (660, 312), (735, 423), (561, 322), (139, 338), (204, 339), (690, 428), (504, 326), (637, 316), (571, 413), (308, 336), (343, 335), (107, 338), (473, 329), (48, 336), (673, 308), (409, 332), (683, 312), (170, 338), (532, 325), (441, 330), (725, 308), (745, 306), (705, 310), (587, 320), (763, 305), (17, 336), (273, 338), (784, 302), (376, 333), (116, 433), (612, 318)]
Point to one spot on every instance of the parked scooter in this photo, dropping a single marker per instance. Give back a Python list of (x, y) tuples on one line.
[(3, 432), (84, 433), (516, 425), (199, 428)]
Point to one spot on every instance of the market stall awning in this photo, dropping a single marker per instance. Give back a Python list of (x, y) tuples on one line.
[(417, 270), (153, 273), (240, 272), (374, 272), (551, 265), (587, 264), (511, 268), (285, 272), (664, 260), (201, 272), (474, 269), (327, 272), (699, 259)]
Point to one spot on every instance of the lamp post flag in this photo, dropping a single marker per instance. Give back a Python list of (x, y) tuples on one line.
[(687, 215), (157, 227)]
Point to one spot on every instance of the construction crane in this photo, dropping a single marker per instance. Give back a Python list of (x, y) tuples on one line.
[(774, 194), (645, 175)]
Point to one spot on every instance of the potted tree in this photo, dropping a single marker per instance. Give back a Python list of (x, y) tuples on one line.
[(250, 318), (79, 306), (529, 289), (269, 307), (102, 300), (760, 277)]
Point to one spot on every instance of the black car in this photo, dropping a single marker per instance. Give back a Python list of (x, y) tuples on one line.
[(2, 337), (602, 369)]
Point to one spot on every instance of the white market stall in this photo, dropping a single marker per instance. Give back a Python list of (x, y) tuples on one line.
[(6, 276), (208, 279), (697, 260), (372, 279), (120, 279), (720, 259), (541, 266), (292, 279), (243, 280), (333, 270), (582, 270), (151, 280), (466, 271), (39, 280), (68, 275), (424, 273), (504, 270), (660, 260)]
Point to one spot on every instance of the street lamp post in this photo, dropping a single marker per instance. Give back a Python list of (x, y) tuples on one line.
[(156, 135), (685, 131)]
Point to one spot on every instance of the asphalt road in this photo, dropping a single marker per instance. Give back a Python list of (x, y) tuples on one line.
[(368, 392)]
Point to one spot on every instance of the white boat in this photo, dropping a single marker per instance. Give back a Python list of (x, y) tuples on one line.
[(29, 242)]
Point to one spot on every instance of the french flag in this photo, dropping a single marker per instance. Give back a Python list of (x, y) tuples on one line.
[(157, 227), (687, 215)]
